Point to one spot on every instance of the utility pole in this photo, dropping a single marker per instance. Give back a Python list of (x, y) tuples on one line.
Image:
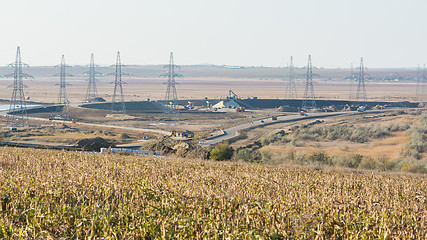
[(63, 102), (118, 102), (423, 85), (17, 115), (171, 96), (361, 88), (92, 93), (419, 88), (351, 78), (309, 101), (291, 91)]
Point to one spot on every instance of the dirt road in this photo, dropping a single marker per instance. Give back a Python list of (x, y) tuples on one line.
[(4, 113)]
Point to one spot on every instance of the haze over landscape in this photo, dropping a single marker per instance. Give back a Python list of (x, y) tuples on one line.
[(388, 34)]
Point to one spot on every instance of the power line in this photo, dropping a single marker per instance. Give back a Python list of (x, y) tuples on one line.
[(63, 103), (361, 88), (309, 101), (171, 96), (91, 92), (118, 102), (18, 115), (423, 85), (419, 88), (351, 78), (291, 91)]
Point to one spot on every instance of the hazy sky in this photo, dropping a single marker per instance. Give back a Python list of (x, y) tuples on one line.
[(387, 33)]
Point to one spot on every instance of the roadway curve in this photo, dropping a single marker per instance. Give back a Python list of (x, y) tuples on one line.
[(234, 131)]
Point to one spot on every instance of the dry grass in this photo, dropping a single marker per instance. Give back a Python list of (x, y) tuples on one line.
[(71, 195), (389, 146), (386, 146)]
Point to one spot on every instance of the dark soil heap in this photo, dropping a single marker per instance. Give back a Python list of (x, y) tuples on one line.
[(94, 144)]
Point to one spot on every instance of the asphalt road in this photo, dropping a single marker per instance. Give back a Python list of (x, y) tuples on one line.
[(230, 132), (234, 131)]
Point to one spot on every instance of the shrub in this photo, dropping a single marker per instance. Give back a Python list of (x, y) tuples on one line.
[(265, 155), (242, 154), (418, 138), (221, 152), (319, 157), (368, 163), (277, 138), (412, 165), (346, 132), (350, 162)]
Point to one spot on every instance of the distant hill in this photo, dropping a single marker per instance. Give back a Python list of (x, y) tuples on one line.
[(206, 71)]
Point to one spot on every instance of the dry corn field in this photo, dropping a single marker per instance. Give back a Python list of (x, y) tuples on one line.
[(66, 195)]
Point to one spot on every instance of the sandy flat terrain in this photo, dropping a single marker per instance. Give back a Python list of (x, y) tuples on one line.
[(197, 88)]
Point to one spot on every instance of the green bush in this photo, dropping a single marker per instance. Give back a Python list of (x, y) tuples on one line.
[(265, 155), (412, 165), (276, 138), (242, 154), (418, 138), (350, 162), (320, 157), (370, 163), (254, 156), (221, 152)]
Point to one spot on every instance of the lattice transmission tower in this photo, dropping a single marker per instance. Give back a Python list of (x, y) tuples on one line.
[(424, 90), (291, 91), (309, 101), (421, 85), (63, 103), (171, 96), (17, 115), (419, 89), (118, 102), (351, 78), (361, 88), (92, 92)]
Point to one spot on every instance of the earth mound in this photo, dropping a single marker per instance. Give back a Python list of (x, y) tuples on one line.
[(169, 146), (93, 144)]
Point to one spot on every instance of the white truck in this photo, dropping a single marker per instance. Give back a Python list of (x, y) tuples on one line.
[(361, 109)]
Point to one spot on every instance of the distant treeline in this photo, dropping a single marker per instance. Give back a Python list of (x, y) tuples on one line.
[(194, 71)]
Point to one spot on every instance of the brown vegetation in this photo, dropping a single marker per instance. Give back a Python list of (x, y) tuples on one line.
[(46, 193), (379, 146)]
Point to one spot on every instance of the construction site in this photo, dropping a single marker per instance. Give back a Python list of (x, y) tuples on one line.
[(198, 105)]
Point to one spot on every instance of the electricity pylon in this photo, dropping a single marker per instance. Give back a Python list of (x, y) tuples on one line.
[(18, 105), (118, 102), (423, 85), (419, 89), (309, 101), (361, 88), (291, 91), (91, 92), (63, 103), (171, 96), (352, 78)]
